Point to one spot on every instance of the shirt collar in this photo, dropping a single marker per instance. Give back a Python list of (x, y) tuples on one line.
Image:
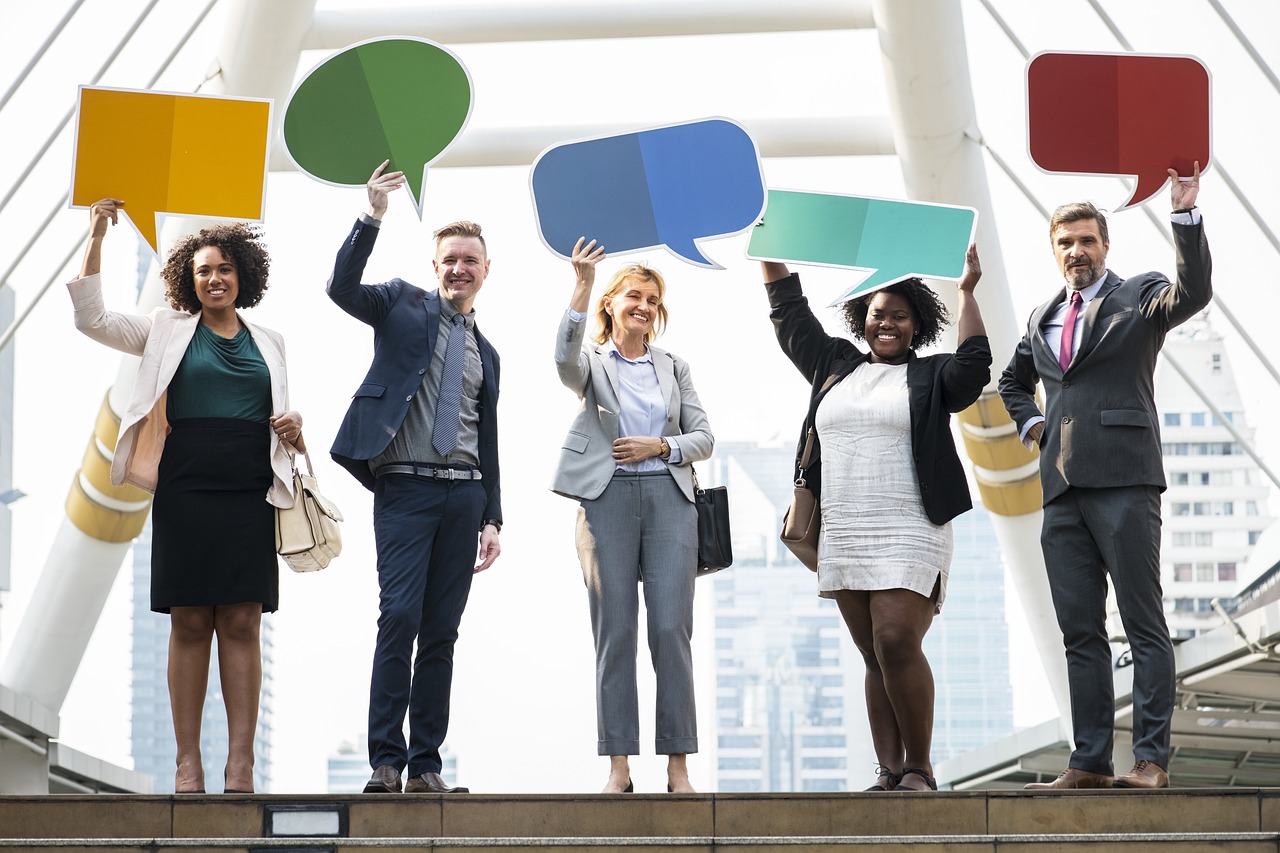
[(612, 348), (447, 312), (1087, 294)]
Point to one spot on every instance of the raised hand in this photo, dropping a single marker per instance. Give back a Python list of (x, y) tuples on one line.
[(584, 259), (379, 186), (1183, 191), (972, 269)]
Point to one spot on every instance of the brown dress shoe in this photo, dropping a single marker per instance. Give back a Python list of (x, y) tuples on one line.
[(385, 780), (431, 783), (1144, 775), (1072, 778)]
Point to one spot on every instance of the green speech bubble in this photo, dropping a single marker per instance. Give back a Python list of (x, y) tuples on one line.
[(399, 99), (894, 239)]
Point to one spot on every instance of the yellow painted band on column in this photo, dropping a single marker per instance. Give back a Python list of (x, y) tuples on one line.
[(107, 428), (105, 523), (999, 453), (1017, 498), (101, 523), (96, 468)]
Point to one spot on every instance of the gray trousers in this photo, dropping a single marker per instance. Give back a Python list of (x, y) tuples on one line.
[(1087, 535), (641, 531)]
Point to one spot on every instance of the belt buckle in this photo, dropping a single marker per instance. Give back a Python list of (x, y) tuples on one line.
[(445, 474)]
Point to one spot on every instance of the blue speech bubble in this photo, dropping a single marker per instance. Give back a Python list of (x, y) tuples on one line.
[(893, 239), (671, 186)]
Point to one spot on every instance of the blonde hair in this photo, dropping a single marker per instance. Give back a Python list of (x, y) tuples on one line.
[(462, 228), (644, 274)]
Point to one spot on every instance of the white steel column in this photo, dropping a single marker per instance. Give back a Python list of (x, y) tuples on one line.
[(936, 136)]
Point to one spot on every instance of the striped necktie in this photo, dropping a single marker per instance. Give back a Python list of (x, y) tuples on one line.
[(444, 432)]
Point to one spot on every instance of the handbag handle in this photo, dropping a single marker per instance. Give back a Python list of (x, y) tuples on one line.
[(694, 471), (294, 453)]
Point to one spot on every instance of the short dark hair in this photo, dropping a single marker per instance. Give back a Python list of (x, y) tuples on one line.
[(240, 243), (461, 228), (1075, 212), (930, 314)]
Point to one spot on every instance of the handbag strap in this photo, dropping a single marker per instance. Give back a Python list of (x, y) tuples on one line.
[(294, 453), (810, 435), (696, 487)]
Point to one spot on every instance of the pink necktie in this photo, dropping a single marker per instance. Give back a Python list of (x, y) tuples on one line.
[(1069, 331)]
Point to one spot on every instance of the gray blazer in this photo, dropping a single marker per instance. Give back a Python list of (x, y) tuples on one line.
[(1101, 429), (586, 459)]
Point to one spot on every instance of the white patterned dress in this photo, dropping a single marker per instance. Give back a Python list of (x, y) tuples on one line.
[(875, 534)]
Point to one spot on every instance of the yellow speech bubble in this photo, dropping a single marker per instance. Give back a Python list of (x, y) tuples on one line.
[(164, 153)]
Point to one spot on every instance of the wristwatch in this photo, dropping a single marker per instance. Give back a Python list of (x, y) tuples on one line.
[(664, 449), (495, 522)]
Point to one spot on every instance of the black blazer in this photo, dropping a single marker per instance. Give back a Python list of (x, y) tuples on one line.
[(405, 320), (938, 385)]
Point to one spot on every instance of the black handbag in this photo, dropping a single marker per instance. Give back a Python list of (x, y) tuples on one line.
[(715, 545)]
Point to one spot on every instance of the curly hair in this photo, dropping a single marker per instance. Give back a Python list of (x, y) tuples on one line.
[(930, 314), (240, 243)]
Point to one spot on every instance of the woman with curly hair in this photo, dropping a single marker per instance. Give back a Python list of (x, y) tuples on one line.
[(886, 470), (204, 430)]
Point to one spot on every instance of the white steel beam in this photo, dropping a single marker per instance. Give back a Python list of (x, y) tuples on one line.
[(487, 22)]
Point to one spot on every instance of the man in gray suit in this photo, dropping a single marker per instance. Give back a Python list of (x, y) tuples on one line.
[(1094, 347)]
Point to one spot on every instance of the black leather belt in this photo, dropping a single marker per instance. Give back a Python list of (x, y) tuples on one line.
[(431, 472)]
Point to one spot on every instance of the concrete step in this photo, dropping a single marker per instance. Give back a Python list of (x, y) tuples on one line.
[(1235, 819)]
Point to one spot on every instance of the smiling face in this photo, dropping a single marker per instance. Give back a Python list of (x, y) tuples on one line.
[(1081, 252), (461, 265), (634, 308), (216, 281), (890, 328)]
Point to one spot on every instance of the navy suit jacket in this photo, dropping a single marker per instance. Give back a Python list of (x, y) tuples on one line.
[(1101, 428), (405, 320)]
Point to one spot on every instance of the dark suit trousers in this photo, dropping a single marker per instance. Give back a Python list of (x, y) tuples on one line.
[(426, 532), (1088, 534)]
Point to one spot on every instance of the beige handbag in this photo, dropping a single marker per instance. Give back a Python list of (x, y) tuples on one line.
[(307, 534), (803, 521)]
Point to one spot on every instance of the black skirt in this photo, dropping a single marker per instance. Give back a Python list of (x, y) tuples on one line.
[(213, 535)]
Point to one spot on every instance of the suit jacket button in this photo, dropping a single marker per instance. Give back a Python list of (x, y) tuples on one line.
[(422, 371), (409, 398), (1066, 420), (1066, 384)]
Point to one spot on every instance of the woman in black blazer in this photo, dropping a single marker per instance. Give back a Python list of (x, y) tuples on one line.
[(890, 481)]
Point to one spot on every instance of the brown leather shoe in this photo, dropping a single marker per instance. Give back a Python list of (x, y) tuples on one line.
[(1072, 778), (1144, 775), (431, 783), (385, 780)]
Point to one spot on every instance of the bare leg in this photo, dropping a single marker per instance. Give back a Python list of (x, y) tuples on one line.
[(190, 636), (619, 775), (886, 739), (240, 663), (899, 619), (678, 774)]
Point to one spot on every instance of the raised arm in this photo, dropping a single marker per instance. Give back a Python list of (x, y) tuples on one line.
[(571, 361), (125, 332), (968, 316)]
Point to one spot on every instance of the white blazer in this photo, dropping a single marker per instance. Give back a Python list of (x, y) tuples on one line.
[(161, 339), (586, 459)]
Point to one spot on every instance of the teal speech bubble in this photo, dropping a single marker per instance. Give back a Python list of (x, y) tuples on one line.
[(893, 239), (399, 99)]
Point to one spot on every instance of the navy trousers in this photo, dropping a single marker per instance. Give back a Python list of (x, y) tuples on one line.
[(427, 538)]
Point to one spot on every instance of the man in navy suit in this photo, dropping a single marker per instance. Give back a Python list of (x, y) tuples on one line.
[(422, 434), (1094, 347)]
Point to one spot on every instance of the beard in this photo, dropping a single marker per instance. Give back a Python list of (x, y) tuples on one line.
[(1078, 278)]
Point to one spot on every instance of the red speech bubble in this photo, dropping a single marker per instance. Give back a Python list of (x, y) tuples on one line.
[(1118, 114)]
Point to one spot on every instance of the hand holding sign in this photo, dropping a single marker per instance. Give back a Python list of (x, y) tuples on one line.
[(1142, 115), (399, 99), (893, 239), (671, 186), (155, 149)]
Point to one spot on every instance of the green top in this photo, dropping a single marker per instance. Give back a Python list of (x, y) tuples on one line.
[(221, 378)]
